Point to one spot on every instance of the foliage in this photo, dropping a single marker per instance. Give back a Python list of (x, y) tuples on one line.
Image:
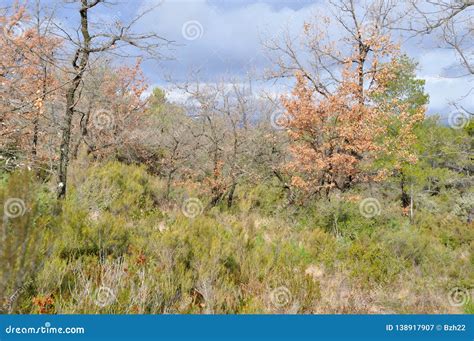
[(115, 250), (338, 198)]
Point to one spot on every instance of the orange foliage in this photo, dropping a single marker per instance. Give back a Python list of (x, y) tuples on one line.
[(45, 304), (335, 136), (118, 109), (26, 81)]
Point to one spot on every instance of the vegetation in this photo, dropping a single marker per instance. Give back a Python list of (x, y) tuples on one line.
[(341, 197)]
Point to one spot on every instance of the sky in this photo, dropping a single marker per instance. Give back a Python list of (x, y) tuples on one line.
[(223, 38)]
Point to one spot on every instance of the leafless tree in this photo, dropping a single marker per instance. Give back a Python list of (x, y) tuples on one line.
[(350, 33), (452, 22), (91, 40), (237, 143)]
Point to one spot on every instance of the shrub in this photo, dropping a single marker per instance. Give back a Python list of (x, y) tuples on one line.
[(28, 227)]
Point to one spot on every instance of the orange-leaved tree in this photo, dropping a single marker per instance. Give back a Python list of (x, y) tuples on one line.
[(336, 136), (28, 81), (111, 109)]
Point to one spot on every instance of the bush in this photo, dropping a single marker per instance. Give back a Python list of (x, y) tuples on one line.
[(112, 247), (28, 228), (116, 188)]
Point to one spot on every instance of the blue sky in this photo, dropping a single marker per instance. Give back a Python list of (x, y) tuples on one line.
[(222, 38), (229, 35)]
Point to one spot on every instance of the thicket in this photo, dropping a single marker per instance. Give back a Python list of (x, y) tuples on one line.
[(117, 246)]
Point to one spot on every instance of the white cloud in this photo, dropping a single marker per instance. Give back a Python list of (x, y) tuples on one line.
[(440, 69), (443, 91), (230, 40), (230, 43)]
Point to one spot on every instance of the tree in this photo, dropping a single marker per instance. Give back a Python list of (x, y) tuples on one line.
[(177, 140), (341, 108), (407, 92), (332, 136), (451, 21), (29, 80), (110, 38), (112, 99), (226, 114), (319, 55)]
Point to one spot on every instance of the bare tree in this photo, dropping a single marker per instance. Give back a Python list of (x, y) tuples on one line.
[(352, 33), (233, 123), (111, 39), (452, 22)]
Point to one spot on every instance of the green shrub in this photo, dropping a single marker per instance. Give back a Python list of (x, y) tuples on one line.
[(372, 263), (28, 229), (116, 188), (116, 234)]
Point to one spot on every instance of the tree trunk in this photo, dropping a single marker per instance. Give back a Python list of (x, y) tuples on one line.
[(82, 52), (230, 198), (65, 141), (169, 179), (35, 137), (405, 197), (34, 150)]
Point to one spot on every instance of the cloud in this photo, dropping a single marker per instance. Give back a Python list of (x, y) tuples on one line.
[(446, 90), (223, 38), (445, 85)]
